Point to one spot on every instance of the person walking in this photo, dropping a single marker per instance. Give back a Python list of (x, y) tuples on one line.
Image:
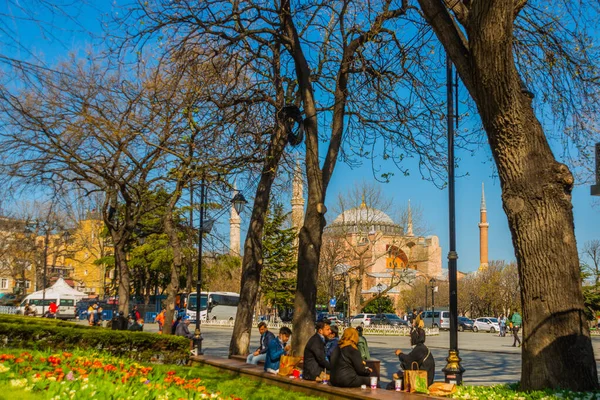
[(314, 353), (516, 321), (260, 354), (502, 323), (363, 346), (160, 320), (347, 366)]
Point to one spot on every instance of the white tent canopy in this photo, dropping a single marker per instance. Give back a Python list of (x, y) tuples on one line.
[(59, 288)]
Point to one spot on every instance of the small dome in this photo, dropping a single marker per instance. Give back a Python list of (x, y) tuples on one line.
[(362, 215)]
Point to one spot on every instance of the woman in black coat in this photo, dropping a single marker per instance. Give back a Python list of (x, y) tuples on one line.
[(347, 367), (419, 355)]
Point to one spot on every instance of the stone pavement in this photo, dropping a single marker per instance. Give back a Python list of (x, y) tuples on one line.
[(487, 358)]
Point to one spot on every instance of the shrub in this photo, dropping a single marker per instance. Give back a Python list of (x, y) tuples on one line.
[(41, 333)]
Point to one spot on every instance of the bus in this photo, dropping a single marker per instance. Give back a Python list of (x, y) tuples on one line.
[(213, 306)]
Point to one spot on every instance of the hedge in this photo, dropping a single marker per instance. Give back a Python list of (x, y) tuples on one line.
[(41, 333)]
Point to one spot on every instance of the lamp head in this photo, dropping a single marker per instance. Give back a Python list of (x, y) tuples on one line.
[(239, 201)]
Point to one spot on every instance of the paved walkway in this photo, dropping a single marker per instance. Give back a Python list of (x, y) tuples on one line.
[(487, 358)]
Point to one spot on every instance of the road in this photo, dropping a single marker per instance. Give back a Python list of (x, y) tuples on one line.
[(487, 358)]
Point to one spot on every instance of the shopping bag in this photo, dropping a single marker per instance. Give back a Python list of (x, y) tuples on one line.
[(442, 389), (415, 380), (287, 364)]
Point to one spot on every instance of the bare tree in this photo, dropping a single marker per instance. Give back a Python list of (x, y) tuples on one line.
[(591, 251), (85, 125)]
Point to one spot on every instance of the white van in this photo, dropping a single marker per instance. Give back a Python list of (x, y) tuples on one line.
[(65, 302)]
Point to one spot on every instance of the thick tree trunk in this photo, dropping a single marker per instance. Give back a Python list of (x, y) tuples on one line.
[(124, 281), (306, 292), (252, 262), (536, 195), (175, 242)]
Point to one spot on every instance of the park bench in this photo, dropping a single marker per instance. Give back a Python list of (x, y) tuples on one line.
[(237, 366)]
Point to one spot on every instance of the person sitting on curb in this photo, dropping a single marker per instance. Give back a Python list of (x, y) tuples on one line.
[(363, 346), (420, 354), (347, 366), (277, 347), (138, 326), (265, 338), (332, 342), (314, 353)]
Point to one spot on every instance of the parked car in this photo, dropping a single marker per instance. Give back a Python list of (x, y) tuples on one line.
[(388, 319), (465, 324), (10, 299), (486, 324), (444, 320), (361, 320), (431, 319)]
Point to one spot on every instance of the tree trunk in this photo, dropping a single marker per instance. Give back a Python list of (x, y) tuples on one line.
[(536, 196), (252, 263), (175, 243), (124, 281)]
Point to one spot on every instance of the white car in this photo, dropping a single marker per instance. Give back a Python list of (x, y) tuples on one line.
[(362, 320), (486, 324)]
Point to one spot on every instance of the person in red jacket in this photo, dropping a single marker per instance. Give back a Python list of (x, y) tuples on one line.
[(52, 309)]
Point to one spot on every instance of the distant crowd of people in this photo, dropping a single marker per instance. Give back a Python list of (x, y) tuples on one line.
[(340, 360)]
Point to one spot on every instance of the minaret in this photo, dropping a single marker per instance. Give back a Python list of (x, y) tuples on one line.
[(234, 229), (409, 224), (483, 233), (297, 199)]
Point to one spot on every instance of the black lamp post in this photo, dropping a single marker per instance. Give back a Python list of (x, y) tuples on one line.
[(595, 189), (453, 370), (379, 289), (432, 286), (238, 203)]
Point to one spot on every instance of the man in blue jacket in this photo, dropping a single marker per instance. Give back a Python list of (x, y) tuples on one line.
[(277, 348), (265, 338)]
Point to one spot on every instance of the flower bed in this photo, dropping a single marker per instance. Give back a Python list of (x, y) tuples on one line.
[(87, 375)]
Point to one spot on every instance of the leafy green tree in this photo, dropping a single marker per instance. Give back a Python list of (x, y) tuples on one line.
[(383, 304), (278, 281)]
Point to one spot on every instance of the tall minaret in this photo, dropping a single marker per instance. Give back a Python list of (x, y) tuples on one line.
[(297, 199), (483, 233), (409, 224), (234, 229)]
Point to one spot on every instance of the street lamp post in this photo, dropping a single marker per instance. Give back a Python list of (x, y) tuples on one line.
[(595, 189), (432, 286), (238, 203), (379, 289), (453, 371)]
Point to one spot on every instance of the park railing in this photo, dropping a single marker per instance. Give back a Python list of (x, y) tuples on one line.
[(8, 310), (382, 330)]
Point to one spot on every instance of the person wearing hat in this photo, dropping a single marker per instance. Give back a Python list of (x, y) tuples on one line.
[(363, 346)]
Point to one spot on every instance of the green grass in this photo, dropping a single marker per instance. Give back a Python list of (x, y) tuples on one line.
[(510, 391)]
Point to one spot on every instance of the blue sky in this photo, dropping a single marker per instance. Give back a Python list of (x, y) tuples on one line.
[(434, 202), (473, 170)]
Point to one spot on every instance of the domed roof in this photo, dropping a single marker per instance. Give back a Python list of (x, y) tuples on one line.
[(363, 215)]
